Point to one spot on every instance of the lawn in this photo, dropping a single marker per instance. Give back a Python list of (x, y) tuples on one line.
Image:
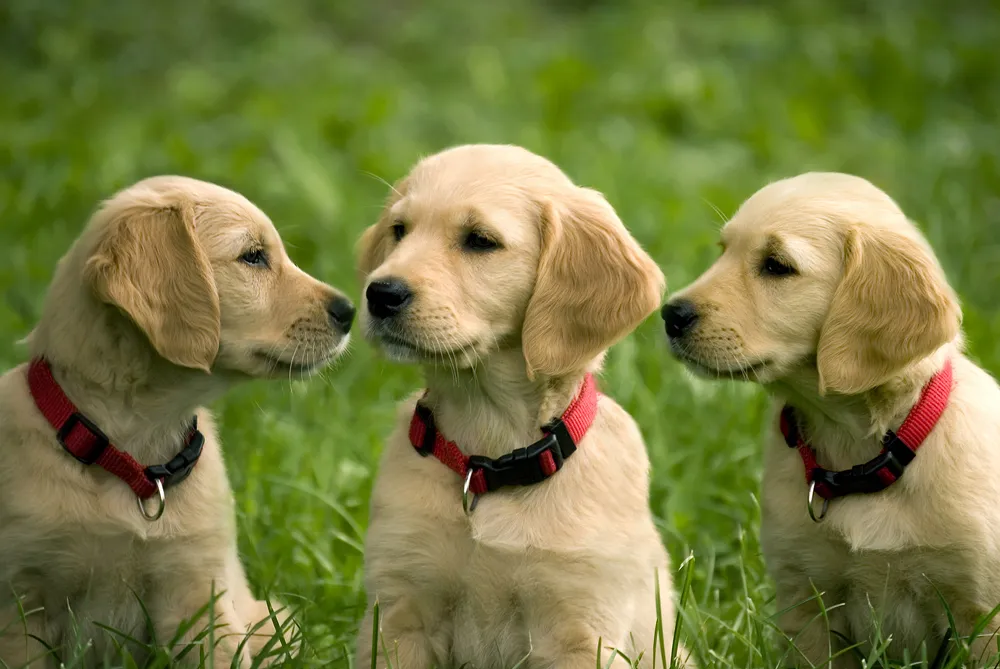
[(676, 111)]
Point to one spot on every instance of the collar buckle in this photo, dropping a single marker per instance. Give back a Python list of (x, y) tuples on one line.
[(182, 464), (563, 446), (101, 440), (523, 466), (900, 450), (514, 468)]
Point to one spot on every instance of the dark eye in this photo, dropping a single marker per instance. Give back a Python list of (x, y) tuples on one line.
[(476, 241), (774, 267), (398, 231), (255, 258)]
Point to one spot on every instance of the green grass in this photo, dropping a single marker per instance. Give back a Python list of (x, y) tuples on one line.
[(677, 111)]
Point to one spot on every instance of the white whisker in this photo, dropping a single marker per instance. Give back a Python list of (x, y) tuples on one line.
[(378, 178)]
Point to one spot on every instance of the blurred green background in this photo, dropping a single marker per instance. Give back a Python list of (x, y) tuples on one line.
[(677, 111)]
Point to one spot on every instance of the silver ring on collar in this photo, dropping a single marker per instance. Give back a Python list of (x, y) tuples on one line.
[(810, 506), (153, 517), (469, 498)]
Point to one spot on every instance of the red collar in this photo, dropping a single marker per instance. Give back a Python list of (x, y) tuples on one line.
[(898, 448), (524, 466), (88, 444)]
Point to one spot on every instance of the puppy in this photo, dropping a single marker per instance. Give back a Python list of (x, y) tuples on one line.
[(832, 300), (506, 283), (176, 290)]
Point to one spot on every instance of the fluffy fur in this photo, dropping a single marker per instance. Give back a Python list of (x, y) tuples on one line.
[(849, 338), (505, 336), (151, 314)]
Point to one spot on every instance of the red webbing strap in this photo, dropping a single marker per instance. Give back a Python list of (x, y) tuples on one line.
[(80, 441), (911, 434), (927, 412), (578, 418)]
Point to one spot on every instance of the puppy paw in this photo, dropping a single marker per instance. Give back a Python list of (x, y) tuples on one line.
[(271, 637)]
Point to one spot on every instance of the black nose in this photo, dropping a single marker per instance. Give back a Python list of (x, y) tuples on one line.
[(387, 297), (679, 316), (341, 313)]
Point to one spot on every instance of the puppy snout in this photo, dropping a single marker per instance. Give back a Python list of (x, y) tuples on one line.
[(388, 297), (341, 313), (679, 317)]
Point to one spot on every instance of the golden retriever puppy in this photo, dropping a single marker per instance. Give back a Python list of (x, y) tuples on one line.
[(880, 484), (510, 517), (114, 501)]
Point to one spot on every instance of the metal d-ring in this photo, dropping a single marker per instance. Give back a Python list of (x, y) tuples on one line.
[(469, 498), (153, 517), (812, 512)]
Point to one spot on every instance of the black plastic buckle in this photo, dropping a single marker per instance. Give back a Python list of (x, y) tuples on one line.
[(426, 416), (523, 466), (861, 478), (513, 468), (564, 441), (903, 455), (182, 464), (101, 439)]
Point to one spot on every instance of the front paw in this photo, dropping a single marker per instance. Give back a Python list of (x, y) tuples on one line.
[(207, 637), (272, 635)]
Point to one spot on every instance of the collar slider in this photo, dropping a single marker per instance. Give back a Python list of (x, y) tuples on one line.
[(426, 417), (101, 440)]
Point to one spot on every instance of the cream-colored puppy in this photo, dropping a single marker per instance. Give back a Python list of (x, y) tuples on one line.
[(176, 289), (506, 283), (828, 296)]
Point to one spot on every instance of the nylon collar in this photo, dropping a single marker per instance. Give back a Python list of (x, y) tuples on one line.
[(898, 448), (82, 439), (521, 467)]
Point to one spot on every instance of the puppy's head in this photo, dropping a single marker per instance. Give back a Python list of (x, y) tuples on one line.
[(203, 274), (822, 272), (482, 248)]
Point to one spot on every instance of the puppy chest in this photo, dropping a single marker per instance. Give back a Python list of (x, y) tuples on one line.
[(98, 578), (471, 599), (905, 589), (489, 624), (530, 603)]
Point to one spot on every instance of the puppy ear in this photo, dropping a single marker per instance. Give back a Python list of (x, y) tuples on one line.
[(375, 242), (892, 308), (151, 266), (595, 284), (371, 249)]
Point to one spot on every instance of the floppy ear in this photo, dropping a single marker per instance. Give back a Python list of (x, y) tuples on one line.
[(371, 249), (151, 266), (375, 242), (892, 308), (595, 284)]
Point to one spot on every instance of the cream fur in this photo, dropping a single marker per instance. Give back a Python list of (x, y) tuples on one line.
[(150, 314), (850, 340), (505, 338)]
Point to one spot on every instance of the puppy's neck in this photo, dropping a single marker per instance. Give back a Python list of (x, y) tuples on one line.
[(108, 369), (494, 408), (846, 430)]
